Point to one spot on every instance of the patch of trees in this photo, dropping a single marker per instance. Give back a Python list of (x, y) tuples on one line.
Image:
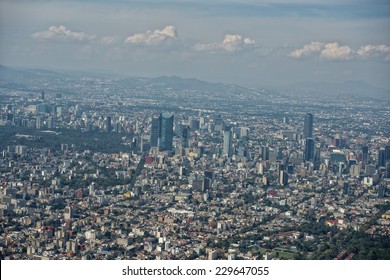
[(364, 246), (96, 141)]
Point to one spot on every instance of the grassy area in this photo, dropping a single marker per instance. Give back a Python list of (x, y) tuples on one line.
[(262, 250), (283, 255)]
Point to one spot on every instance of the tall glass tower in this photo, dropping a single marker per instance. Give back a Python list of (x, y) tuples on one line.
[(309, 149), (308, 128), (227, 143), (155, 132), (166, 132)]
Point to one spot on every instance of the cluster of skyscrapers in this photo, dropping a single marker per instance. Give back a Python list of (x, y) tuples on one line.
[(191, 185), (162, 132)]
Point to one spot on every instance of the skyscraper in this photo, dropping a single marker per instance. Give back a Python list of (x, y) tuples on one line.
[(51, 123), (382, 157), (227, 143), (308, 126), (265, 153), (309, 149), (364, 155), (194, 123), (108, 124), (387, 153), (38, 123), (283, 178), (184, 135), (218, 123), (155, 132), (166, 131)]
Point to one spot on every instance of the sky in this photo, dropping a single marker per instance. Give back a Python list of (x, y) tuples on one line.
[(243, 42)]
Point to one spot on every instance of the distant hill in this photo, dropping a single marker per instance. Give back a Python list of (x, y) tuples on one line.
[(37, 79), (10, 74), (24, 79), (162, 87)]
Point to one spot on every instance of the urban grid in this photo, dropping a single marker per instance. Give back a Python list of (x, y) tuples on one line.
[(97, 167)]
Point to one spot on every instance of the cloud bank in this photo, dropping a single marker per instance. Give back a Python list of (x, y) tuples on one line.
[(335, 51), (231, 43), (307, 49), (62, 33), (152, 38), (368, 51)]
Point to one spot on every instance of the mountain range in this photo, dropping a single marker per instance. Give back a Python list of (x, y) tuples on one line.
[(32, 79)]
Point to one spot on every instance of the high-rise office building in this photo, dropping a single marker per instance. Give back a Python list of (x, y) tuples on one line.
[(309, 149), (50, 123), (265, 153), (218, 123), (118, 127), (279, 155), (317, 152), (381, 157), (365, 155), (166, 132), (227, 143), (155, 132), (283, 178), (184, 136), (108, 124), (387, 153), (308, 126), (280, 167), (381, 191), (194, 123), (38, 123), (10, 117)]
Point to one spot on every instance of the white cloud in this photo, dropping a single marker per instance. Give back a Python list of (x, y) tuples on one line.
[(63, 34), (307, 49), (230, 43), (333, 51), (326, 51), (368, 51), (155, 37)]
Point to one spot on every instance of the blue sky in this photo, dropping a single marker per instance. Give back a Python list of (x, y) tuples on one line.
[(244, 42)]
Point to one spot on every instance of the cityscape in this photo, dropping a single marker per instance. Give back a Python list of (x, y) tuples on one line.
[(156, 133), (100, 166)]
